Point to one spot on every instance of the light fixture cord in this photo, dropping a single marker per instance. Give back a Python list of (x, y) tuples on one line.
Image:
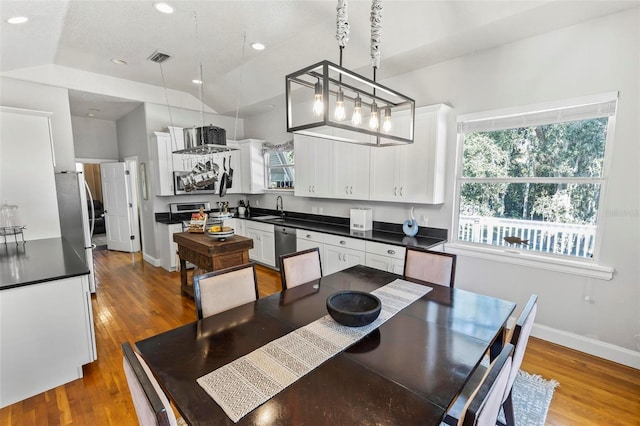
[(376, 32), (174, 145), (201, 88), (235, 126), (342, 24)]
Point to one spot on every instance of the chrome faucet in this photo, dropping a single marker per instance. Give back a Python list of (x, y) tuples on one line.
[(280, 205)]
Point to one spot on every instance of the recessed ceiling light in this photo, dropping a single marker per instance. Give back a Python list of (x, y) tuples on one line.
[(163, 7), (119, 61), (257, 46), (18, 20), (196, 81), (91, 115)]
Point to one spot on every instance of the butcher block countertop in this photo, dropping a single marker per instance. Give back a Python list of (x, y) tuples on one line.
[(204, 243)]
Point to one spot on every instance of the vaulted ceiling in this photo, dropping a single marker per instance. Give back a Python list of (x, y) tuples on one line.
[(88, 34)]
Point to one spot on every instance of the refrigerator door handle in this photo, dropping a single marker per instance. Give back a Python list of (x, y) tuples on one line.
[(93, 211)]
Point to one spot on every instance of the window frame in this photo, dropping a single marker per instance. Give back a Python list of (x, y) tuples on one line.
[(268, 167), (550, 261)]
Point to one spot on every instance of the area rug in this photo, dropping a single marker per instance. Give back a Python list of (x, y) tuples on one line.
[(531, 398)]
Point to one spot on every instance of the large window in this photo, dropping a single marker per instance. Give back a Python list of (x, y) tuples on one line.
[(280, 165), (532, 179)]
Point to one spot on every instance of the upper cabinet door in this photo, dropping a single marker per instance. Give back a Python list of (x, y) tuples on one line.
[(314, 166), (413, 173), (351, 171)]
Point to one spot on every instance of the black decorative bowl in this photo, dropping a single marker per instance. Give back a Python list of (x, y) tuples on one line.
[(353, 308)]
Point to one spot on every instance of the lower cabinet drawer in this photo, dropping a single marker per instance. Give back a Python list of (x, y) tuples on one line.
[(396, 252)]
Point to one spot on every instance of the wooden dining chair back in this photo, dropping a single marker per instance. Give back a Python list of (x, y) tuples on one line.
[(431, 266), (483, 407), (300, 267), (519, 339), (217, 291), (151, 404)]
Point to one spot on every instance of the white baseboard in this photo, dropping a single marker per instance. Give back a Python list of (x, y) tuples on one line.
[(588, 345), (151, 260)]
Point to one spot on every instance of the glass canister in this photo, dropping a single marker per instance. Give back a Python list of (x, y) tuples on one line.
[(9, 216)]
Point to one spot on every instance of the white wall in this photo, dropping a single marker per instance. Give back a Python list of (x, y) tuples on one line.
[(94, 138), (593, 57)]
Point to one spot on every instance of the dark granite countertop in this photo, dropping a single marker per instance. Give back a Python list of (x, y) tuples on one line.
[(38, 261), (383, 232)]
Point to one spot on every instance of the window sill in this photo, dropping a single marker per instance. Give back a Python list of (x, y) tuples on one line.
[(568, 266), (282, 190)]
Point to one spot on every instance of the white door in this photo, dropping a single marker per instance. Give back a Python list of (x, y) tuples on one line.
[(117, 206), (132, 188)]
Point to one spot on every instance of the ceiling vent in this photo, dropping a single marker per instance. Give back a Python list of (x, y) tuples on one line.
[(159, 57)]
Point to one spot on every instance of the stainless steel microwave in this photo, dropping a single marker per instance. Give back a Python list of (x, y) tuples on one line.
[(178, 185)]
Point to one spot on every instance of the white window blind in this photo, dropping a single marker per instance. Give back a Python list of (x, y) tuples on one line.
[(572, 110)]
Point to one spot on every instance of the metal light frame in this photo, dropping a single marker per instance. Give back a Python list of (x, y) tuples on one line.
[(300, 90)]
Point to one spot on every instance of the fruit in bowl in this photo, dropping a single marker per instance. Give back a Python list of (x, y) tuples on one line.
[(218, 228)]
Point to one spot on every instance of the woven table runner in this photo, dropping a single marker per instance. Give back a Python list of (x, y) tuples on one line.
[(249, 381)]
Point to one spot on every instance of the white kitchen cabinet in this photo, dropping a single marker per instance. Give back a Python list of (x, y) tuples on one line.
[(241, 227), (264, 249), (310, 239), (169, 247), (413, 173), (162, 156), (313, 166), (234, 161), (386, 257), (342, 253), (351, 171), (46, 336), (252, 166)]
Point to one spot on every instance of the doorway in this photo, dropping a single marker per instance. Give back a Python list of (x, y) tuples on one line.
[(92, 176)]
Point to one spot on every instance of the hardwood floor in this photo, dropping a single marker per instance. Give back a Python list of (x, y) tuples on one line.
[(135, 300)]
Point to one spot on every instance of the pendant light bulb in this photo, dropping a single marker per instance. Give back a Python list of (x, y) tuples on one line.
[(386, 125), (373, 118), (339, 113), (318, 105), (356, 118)]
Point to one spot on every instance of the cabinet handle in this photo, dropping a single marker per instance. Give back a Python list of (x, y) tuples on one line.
[(308, 235), (339, 256), (351, 190), (401, 192), (314, 188), (395, 190), (343, 242), (309, 188), (346, 189), (391, 251)]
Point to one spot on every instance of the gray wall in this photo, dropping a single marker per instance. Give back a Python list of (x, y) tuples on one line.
[(94, 138), (590, 58)]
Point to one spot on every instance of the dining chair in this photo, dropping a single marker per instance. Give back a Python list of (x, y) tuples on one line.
[(300, 267), (151, 404), (224, 289), (482, 406), (431, 266), (519, 339)]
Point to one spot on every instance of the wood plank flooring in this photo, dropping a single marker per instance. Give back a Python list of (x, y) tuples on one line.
[(135, 300)]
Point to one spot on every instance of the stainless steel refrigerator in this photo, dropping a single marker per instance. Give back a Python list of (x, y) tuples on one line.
[(73, 209)]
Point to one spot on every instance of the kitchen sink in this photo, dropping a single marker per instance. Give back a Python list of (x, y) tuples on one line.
[(270, 218)]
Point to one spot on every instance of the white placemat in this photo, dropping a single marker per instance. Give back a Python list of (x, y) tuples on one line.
[(249, 381)]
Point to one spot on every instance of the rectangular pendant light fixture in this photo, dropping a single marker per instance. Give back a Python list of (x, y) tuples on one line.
[(328, 101)]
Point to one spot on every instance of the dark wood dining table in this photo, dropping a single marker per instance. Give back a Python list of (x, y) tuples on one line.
[(408, 371)]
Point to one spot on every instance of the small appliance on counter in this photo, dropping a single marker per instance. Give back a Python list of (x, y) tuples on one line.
[(361, 219)]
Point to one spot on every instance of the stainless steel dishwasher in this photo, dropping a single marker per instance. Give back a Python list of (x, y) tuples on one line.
[(285, 241)]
